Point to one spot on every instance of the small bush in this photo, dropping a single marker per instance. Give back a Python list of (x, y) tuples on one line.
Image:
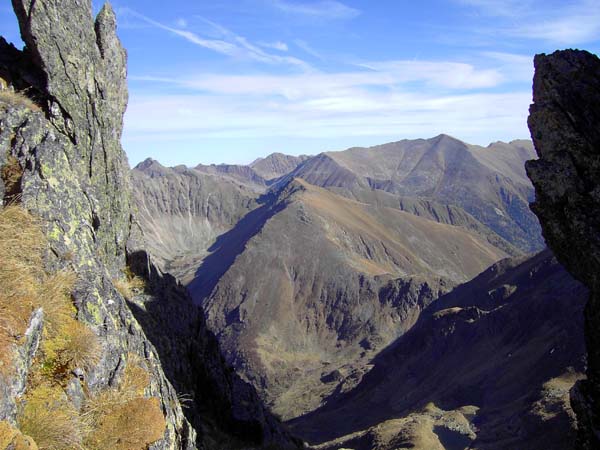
[(18, 98), (51, 420)]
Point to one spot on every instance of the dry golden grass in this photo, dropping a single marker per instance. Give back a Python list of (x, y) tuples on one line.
[(21, 245), (51, 420), (56, 300), (13, 439), (122, 418), (73, 346), (24, 286), (131, 426), (129, 286), (18, 98), (117, 418)]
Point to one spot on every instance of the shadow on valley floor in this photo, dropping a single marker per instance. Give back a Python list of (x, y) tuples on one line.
[(466, 350), (228, 246), (215, 400)]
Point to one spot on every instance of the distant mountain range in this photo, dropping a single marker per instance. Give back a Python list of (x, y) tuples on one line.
[(307, 268)]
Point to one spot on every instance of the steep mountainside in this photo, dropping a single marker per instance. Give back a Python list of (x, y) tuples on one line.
[(311, 285), (62, 161), (488, 365), (184, 210), (488, 183), (564, 122), (349, 267)]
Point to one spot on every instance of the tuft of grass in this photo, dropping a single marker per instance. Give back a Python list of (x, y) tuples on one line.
[(133, 425), (18, 98), (122, 417), (11, 438), (51, 420), (130, 285), (21, 245), (119, 418), (73, 346)]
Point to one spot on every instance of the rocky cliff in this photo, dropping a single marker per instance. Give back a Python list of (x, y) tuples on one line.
[(62, 160), (564, 122)]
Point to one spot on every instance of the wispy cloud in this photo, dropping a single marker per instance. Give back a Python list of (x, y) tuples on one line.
[(433, 76), (230, 43), (576, 26), (392, 98), (569, 23), (278, 45), (442, 74), (307, 48), (506, 8), (326, 9)]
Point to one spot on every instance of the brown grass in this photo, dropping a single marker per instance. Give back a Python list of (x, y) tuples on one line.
[(130, 285), (116, 418), (13, 439), (21, 245), (18, 98), (51, 420), (122, 418), (131, 426)]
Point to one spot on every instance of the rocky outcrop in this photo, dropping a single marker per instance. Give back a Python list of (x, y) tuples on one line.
[(69, 170), (564, 122)]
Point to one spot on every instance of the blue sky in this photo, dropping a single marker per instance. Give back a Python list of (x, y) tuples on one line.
[(229, 81)]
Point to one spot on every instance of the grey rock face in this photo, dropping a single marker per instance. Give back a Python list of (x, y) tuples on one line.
[(11, 387), (277, 165), (564, 122), (76, 179), (86, 94)]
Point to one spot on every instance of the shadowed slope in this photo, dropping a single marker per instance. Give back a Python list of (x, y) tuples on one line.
[(496, 351)]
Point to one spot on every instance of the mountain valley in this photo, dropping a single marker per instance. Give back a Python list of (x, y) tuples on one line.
[(309, 267)]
